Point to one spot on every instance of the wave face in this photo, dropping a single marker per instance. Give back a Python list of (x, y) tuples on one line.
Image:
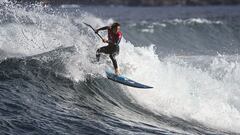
[(50, 85)]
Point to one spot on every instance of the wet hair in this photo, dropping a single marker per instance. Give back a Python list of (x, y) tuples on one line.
[(115, 25)]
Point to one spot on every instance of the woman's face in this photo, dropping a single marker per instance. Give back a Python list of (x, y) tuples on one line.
[(116, 29)]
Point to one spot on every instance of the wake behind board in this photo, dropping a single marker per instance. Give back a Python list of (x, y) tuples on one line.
[(125, 81)]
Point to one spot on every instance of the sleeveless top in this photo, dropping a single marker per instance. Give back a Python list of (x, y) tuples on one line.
[(114, 38)]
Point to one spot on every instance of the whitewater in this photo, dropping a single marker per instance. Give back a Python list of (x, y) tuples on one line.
[(49, 83)]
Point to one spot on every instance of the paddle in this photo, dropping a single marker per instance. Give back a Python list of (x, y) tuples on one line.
[(93, 30)]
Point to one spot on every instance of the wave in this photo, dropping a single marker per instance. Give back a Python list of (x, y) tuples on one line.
[(192, 36), (49, 82), (41, 90), (153, 27)]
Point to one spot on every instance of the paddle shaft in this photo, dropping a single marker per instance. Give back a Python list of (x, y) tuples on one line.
[(94, 30)]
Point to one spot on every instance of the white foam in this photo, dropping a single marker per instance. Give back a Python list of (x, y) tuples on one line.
[(193, 21), (70, 6), (188, 92), (150, 30), (34, 32), (3, 1)]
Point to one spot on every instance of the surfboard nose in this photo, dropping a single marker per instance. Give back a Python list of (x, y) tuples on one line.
[(125, 81)]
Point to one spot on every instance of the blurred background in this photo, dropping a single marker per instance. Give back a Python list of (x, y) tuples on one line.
[(138, 2)]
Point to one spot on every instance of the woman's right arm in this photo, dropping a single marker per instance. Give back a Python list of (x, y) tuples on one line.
[(103, 28)]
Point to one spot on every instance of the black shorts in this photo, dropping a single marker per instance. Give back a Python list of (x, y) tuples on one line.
[(112, 50)]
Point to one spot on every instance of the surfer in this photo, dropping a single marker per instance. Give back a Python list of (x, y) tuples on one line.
[(114, 38)]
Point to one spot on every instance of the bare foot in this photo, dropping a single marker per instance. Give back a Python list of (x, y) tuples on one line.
[(117, 71)]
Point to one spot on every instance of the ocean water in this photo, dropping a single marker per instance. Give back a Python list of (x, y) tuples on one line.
[(49, 83)]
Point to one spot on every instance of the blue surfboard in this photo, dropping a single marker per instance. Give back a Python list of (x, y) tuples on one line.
[(125, 81)]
